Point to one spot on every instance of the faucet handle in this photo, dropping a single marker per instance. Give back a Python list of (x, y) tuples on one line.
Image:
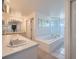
[(11, 43)]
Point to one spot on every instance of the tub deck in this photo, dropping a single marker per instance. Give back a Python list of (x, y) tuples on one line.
[(49, 45)]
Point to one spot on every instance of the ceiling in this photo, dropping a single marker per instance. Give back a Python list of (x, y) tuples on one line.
[(47, 7)]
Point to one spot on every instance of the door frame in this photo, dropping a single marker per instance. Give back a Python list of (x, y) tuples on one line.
[(68, 24)]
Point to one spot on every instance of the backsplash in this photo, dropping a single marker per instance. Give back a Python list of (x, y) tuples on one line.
[(8, 27)]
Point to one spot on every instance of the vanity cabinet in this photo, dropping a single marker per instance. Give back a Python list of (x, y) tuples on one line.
[(30, 53)]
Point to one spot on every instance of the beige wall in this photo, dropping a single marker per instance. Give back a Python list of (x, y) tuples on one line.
[(27, 24)]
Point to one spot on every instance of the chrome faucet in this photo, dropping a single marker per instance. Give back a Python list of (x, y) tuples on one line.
[(11, 43)]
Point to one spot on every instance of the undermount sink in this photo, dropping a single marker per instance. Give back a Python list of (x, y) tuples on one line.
[(16, 43)]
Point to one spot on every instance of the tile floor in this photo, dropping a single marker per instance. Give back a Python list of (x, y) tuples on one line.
[(44, 55), (57, 54)]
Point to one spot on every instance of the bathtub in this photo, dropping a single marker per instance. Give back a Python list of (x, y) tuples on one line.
[(49, 44)]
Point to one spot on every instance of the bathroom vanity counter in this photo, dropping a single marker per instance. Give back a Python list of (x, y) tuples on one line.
[(10, 33), (28, 50)]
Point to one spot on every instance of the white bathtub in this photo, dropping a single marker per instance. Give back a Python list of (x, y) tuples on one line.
[(48, 44)]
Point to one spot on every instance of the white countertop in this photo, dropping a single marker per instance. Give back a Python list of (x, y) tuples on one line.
[(10, 50), (9, 33)]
